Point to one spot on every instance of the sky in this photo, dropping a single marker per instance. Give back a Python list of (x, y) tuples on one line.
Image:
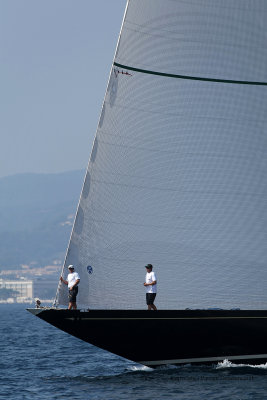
[(55, 59)]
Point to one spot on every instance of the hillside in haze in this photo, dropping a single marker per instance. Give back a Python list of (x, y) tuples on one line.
[(36, 215)]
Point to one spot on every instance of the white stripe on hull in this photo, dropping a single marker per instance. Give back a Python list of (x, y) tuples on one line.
[(204, 359), (158, 318)]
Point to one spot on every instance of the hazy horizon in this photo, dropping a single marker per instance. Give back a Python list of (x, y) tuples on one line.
[(67, 171), (55, 62)]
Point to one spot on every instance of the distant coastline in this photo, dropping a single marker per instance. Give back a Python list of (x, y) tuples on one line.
[(12, 301), (36, 212)]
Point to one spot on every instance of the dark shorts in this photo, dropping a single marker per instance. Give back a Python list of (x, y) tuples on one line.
[(72, 294), (150, 297)]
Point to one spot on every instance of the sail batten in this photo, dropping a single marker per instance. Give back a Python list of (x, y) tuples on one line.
[(177, 176), (192, 78)]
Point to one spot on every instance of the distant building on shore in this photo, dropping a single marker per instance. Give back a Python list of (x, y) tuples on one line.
[(18, 290)]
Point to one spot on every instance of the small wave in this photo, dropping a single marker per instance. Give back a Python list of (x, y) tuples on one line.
[(144, 368), (137, 368), (229, 364)]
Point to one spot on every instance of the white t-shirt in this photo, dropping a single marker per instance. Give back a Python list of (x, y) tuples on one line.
[(72, 278), (151, 277)]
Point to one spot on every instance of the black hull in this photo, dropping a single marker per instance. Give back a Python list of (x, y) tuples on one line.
[(163, 337)]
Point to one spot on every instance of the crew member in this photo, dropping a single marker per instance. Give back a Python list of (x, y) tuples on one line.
[(73, 280), (151, 287)]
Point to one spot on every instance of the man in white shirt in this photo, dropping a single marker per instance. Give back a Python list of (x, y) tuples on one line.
[(72, 281), (151, 287)]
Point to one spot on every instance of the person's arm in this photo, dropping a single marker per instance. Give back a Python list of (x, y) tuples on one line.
[(75, 284), (153, 282), (62, 280), (150, 284), (153, 276)]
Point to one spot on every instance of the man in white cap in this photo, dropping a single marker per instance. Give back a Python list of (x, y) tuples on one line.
[(72, 281)]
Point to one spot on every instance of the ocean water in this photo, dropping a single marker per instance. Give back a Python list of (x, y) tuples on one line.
[(40, 362)]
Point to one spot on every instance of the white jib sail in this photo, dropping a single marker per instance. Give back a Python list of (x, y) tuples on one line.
[(178, 172)]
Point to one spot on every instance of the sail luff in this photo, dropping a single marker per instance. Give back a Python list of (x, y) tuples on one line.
[(60, 287)]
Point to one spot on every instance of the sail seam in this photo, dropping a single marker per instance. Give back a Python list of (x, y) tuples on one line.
[(169, 35), (179, 152), (186, 115), (192, 78), (215, 192)]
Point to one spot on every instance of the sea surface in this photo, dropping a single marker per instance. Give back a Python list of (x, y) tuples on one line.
[(40, 362)]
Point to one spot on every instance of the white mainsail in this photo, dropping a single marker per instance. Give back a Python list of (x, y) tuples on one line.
[(178, 172)]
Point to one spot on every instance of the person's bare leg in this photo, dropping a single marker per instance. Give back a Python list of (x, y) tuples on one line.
[(154, 307), (70, 306), (74, 306)]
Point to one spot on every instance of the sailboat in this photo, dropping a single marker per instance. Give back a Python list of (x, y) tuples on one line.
[(177, 178)]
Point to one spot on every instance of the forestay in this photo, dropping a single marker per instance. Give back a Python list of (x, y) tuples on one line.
[(178, 171)]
